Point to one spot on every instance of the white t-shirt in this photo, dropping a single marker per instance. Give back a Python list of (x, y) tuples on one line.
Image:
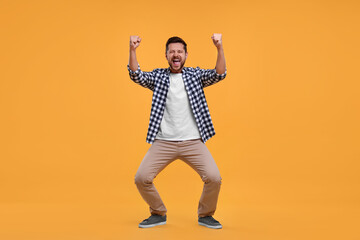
[(178, 122)]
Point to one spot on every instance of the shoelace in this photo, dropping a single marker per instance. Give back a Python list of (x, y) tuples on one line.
[(147, 219), (211, 219)]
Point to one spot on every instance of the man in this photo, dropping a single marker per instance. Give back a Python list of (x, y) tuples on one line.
[(179, 126)]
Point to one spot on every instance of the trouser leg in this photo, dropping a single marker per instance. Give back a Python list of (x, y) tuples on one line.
[(159, 155), (196, 154)]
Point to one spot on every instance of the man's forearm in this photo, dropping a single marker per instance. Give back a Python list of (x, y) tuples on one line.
[(134, 43), (133, 63), (220, 62)]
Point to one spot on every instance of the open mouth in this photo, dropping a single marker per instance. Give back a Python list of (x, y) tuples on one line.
[(176, 62)]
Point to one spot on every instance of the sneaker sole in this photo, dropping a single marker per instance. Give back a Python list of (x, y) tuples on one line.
[(151, 225), (210, 226)]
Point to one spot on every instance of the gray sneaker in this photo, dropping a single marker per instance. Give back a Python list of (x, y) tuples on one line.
[(153, 221), (209, 222)]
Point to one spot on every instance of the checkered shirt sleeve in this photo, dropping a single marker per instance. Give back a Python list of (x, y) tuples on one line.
[(210, 76), (144, 79)]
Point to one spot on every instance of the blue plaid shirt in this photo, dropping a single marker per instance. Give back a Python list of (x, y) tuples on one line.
[(195, 79)]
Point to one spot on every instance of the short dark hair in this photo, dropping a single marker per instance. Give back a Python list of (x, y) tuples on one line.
[(175, 40)]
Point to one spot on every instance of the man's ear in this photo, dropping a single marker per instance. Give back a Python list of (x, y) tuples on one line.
[(186, 54)]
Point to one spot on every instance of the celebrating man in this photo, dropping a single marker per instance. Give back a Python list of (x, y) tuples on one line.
[(179, 126)]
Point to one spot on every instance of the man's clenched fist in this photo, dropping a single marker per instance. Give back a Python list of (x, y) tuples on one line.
[(134, 42), (216, 37)]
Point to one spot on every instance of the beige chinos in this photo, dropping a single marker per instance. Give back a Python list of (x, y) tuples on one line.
[(193, 152)]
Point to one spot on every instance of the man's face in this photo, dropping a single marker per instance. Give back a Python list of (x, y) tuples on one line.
[(176, 57)]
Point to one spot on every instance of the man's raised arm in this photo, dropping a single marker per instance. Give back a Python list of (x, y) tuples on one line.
[(134, 43), (142, 78), (212, 76), (220, 62)]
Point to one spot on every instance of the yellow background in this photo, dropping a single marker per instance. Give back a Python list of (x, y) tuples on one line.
[(73, 125)]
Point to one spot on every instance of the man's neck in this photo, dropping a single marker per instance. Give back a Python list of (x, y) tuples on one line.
[(178, 71)]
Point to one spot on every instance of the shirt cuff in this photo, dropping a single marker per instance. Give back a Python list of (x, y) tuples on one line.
[(133, 72), (221, 76)]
